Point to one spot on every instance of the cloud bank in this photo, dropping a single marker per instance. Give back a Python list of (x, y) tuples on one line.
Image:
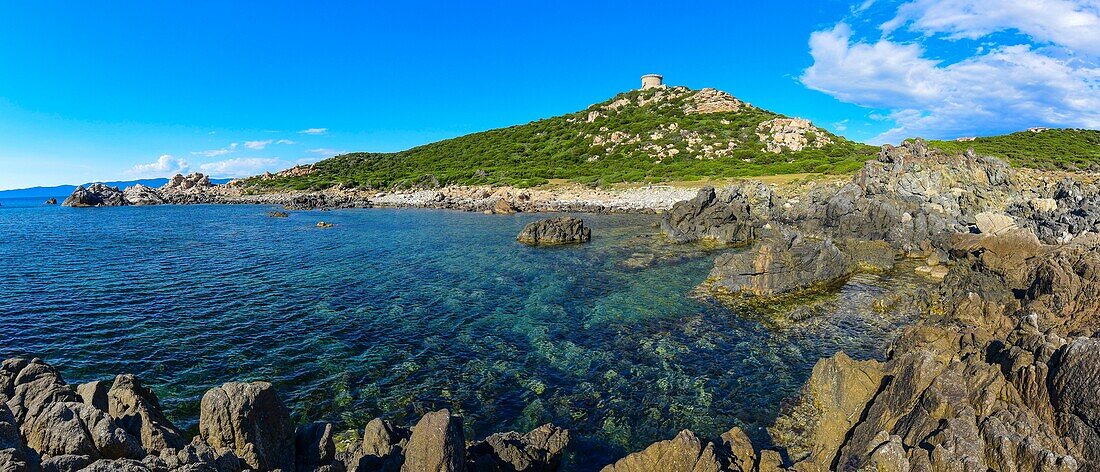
[(1023, 64)]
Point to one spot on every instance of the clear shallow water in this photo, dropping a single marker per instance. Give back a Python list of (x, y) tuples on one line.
[(396, 312)]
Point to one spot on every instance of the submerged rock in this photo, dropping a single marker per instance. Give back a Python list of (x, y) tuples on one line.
[(560, 230), (724, 219), (95, 195), (781, 263), (278, 214)]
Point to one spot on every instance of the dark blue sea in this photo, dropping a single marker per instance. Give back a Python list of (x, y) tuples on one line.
[(394, 313)]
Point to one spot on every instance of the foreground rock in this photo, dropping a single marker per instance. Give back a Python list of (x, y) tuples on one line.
[(782, 263), (95, 195), (47, 425), (560, 230), (250, 421), (708, 216)]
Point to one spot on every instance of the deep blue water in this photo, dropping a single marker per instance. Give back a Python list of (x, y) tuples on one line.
[(396, 312)]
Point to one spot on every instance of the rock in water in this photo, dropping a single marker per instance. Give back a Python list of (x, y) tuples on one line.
[(95, 195), (560, 230), (724, 219), (437, 444), (780, 264), (537, 451), (278, 214), (51, 201), (249, 420)]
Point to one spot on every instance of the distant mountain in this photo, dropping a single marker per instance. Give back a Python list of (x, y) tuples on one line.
[(652, 135), (65, 190)]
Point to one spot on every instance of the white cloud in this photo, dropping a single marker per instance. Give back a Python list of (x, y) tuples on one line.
[(242, 167), (998, 88), (1074, 24), (164, 166), (285, 141), (257, 145), (314, 131)]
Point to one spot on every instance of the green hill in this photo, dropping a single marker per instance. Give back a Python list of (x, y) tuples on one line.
[(653, 135), (1050, 149)]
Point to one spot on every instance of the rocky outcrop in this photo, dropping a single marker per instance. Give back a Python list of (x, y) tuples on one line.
[(791, 134), (95, 195), (249, 420), (781, 263), (51, 201), (142, 195), (551, 231), (725, 219), (195, 182), (537, 451)]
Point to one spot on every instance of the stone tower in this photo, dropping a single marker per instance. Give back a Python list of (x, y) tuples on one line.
[(652, 81)]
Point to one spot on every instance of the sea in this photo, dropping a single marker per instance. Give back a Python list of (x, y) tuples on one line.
[(396, 312)]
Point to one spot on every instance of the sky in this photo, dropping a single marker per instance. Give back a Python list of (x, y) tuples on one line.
[(126, 90)]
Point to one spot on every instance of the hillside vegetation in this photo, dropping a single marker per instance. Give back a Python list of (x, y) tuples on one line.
[(640, 136), (1064, 149)]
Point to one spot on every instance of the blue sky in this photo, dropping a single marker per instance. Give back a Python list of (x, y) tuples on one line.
[(111, 91)]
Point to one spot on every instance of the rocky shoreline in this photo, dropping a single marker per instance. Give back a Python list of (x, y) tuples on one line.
[(1000, 373), (197, 189)]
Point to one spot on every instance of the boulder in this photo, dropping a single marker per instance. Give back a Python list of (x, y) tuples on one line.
[(560, 230), (95, 394), (138, 411), (65, 463), (58, 428), (437, 444), (683, 453), (95, 195), (724, 219), (537, 451), (782, 263), (249, 420), (51, 201), (994, 223)]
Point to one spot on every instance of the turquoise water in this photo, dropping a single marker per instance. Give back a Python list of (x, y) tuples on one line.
[(396, 312)]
